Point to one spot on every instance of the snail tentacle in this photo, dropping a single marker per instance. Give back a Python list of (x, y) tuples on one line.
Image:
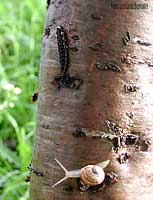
[(60, 181), (68, 174), (62, 166)]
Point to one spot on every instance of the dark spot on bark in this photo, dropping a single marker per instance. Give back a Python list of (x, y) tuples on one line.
[(128, 35), (143, 144), (126, 39), (113, 127), (73, 48), (68, 188), (131, 139), (128, 59), (75, 37), (144, 42), (52, 2), (76, 4), (71, 82), (95, 47), (130, 114), (79, 133), (73, 30), (149, 63), (116, 141), (47, 32), (96, 17), (131, 88), (53, 21), (108, 66), (45, 126), (123, 157), (110, 178)]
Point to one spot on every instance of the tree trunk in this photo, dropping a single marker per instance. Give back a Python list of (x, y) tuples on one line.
[(100, 33)]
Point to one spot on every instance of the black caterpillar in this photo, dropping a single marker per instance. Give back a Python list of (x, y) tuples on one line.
[(64, 79), (62, 43)]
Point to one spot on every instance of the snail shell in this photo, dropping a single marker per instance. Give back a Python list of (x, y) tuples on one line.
[(92, 175)]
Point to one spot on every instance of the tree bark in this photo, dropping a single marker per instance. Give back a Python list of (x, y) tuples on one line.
[(101, 97)]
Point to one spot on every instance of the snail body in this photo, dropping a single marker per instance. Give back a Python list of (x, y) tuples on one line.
[(90, 175)]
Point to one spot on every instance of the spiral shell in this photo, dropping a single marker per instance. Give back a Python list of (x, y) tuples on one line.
[(92, 175)]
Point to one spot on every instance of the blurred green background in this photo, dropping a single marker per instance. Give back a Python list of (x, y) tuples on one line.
[(21, 30)]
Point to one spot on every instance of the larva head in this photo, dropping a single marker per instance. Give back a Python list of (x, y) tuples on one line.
[(92, 175)]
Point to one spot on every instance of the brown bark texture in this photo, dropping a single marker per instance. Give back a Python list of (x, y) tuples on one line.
[(102, 96)]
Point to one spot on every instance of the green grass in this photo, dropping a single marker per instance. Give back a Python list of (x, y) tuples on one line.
[(21, 30)]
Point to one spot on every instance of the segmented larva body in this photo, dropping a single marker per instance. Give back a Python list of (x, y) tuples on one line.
[(62, 43)]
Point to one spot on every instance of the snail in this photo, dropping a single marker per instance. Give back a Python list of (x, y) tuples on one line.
[(90, 175)]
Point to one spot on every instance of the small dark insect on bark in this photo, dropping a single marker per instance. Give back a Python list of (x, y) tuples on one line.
[(34, 97), (35, 171), (131, 88), (126, 39), (108, 66)]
